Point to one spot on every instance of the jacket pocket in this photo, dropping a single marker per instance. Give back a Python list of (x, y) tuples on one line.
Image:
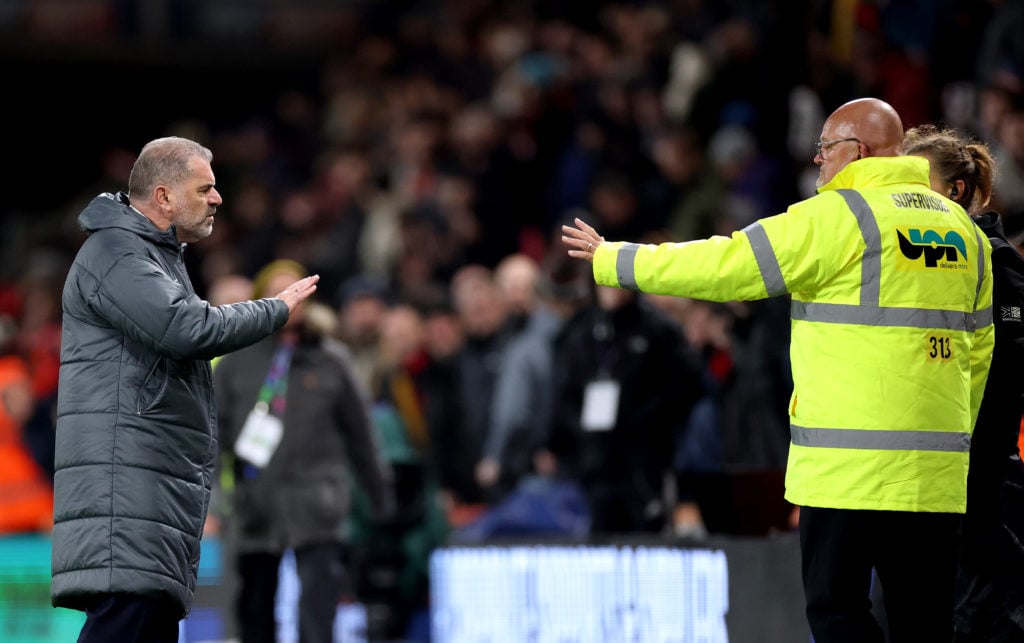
[(153, 388)]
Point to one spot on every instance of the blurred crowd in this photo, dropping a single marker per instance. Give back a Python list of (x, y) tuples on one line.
[(425, 180)]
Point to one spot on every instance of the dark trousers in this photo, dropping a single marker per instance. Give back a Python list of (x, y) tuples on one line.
[(127, 618), (618, 507), (914, 556), (990, 581), (321, 578)]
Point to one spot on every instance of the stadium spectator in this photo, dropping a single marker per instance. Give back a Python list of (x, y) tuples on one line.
[(625, 378), (295, 415), (26, 498)]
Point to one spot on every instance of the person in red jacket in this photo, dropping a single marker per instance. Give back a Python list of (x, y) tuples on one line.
[(26, 497)]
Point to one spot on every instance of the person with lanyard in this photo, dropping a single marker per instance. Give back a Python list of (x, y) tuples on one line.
[(295, 421), (891, 317)]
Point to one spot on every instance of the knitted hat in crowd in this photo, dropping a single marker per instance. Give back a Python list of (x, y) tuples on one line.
[(271, 270)]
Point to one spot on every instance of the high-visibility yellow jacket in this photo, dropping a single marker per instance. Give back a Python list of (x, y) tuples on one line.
[(892, 332)]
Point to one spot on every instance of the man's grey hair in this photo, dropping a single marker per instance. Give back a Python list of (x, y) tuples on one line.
[(163, 161)]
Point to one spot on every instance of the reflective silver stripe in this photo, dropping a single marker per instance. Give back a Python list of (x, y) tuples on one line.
[(767, 262), (625, 272), (871, 262), (983, 317), (981, 268), (881, 440), (869, 313), (869, 316)]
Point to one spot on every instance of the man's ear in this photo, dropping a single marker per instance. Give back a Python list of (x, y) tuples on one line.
[(162, 196)]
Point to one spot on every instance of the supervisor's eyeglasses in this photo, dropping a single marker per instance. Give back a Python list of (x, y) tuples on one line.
[(824, 147)]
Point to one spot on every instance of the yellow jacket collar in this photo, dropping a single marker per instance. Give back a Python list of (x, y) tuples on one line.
[(878, 170)]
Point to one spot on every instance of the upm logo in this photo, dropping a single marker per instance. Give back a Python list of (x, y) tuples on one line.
[(935, 246)]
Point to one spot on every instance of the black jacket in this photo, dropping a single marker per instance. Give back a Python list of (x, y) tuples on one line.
[(994, 443), (642, 350), (303, 494), (136, 426), (990, 579)]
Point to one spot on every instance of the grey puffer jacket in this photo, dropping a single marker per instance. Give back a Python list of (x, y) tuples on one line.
[(136, 417)]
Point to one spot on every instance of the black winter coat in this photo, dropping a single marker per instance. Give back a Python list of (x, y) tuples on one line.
[(647, 354), (136, 419), (994, 442), (990, 580), (303, 494)]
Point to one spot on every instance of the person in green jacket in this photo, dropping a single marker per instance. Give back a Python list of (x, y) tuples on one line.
[(891, 295)]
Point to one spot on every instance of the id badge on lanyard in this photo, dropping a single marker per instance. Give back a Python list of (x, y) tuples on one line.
[(600, 405), (260, 436)]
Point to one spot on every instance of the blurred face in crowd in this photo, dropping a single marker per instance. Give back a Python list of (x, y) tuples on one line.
[(360, 320), (993, 105), (1011, 134), (230, 289), (677, 157), (401, 335), (480, 308), (194, 203), (443, 334), (516, 277), (613, 201), (610, 298)]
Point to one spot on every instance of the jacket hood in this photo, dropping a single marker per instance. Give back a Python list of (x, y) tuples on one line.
[(110, 210), (880, 170)]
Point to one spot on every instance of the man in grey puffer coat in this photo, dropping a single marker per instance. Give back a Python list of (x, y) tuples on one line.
[(136, 418)]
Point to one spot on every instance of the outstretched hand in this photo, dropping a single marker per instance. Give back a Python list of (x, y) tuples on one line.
[(298, 292), (582, 240)]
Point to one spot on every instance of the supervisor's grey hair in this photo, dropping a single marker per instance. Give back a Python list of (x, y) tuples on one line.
[(163, 161)]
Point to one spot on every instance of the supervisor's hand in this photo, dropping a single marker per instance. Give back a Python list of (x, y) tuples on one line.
[(298, 292), (582, 240)]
